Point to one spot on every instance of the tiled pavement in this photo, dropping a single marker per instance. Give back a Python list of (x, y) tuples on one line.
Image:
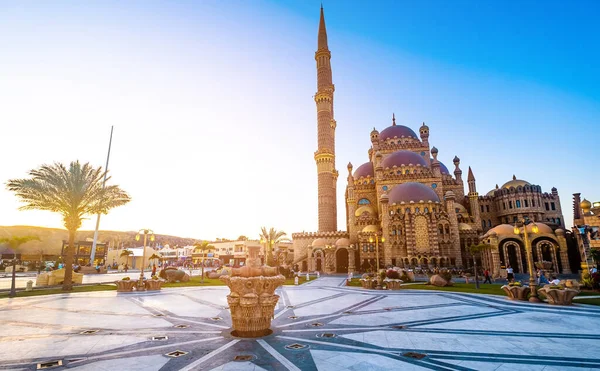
[(321, 325)]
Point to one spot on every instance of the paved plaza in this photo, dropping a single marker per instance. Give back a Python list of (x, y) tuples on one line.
[(321, 325)]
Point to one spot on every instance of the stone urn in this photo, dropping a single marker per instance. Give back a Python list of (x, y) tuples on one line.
[(152, 285), (392, 284), (125, 285), (558, 295), (252, 299), (516, 292)]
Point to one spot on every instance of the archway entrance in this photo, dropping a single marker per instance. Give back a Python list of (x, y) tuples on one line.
[(341, 261), (304, 266), (319, 267)]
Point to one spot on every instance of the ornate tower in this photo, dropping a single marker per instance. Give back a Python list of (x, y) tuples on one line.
[(474, 199), (325, 154)]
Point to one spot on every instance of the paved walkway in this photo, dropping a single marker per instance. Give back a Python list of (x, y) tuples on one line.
[(321, 325)]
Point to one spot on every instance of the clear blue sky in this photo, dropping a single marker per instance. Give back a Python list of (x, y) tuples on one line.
[(215, 126)]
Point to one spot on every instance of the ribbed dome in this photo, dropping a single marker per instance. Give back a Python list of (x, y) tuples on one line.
[(364, 170), (502, 230), (515, 183), (364, 209), (398, 131), (412, 191), (342, 242), (319, 242), (403, 157)]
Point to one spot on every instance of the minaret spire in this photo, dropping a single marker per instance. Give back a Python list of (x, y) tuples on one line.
[(325, 154), (322, 32)]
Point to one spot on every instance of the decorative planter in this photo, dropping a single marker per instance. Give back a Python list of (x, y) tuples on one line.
[(252, 299), (559, 296), (516, 292), (125, 286), (393, 284), (153, 285), (545, 265)]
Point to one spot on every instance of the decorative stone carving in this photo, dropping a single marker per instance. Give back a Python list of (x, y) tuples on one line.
[(516, 292), (252, 299), (559, 296), (437, 280), (153, 285), (125, 285)]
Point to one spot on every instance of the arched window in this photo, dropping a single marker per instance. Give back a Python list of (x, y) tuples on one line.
[(426, 210), (416, 210), (518, 203), (447, 229), (408, 210), (385, 188), (489, 223), (372, 181), (441, 228), (557, 220), (364, 201), (483, 224)]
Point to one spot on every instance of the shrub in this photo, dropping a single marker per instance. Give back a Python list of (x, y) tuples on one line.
[(126, 278), (516, 283), (155, 277), (393, 274)]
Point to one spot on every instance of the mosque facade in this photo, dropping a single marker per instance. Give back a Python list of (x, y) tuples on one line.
[(406, 208)]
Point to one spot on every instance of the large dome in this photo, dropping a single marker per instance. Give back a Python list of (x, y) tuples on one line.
[(412, 191), (365, 170), (515, 183), (398, 131), (403, 157)]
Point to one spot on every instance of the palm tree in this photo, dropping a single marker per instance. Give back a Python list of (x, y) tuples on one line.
[(73, 191), (475, 250), (126, 254), (203, 247), (242, 238), (270, 238), (14, 243)]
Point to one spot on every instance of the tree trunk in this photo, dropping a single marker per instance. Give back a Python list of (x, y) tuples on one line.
[(476, 275), (68, 283), (13, 289)]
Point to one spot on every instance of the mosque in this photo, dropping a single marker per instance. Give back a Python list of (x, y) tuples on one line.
[(406, 208)]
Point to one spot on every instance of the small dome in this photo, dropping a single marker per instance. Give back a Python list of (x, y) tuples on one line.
[(464, 227), (403, 157), (412, 191), (342, 242), (501, 230), (370, 229), (515, 183), (543, 228), (364, 209), (434, 150), (364, 170), (398, 131), (585, 204), (319, 242)]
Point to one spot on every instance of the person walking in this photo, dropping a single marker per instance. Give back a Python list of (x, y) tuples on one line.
[(153, 269), (126, 267), (510, 274), (486, 274)]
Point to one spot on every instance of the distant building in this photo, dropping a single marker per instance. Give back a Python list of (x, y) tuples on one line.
[(586, 216), (83, 251)]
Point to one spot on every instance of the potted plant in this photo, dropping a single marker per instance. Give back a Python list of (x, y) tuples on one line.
[(126, 284), (153, 284)]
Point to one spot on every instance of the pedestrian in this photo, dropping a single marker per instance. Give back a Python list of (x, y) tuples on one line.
[(509, 274), (126, 267), (486, 274), (153, 270)]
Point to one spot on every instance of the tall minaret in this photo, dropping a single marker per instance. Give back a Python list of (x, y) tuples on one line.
[(325, 154)]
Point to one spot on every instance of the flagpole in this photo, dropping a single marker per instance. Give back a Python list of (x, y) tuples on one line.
[(93, 253)]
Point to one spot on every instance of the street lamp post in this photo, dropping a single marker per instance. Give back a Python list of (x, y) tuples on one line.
[(145, 232), (533, 298), (377, 257)]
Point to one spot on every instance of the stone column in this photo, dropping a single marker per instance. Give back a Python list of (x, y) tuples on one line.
[(554, 260), (454, 236), (351, 263), (385, 227), (495, 263), (538, 251), (564, 257)]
